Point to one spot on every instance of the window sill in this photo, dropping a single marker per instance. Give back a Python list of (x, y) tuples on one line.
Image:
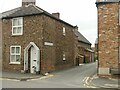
[(17, 35), (14, 63)]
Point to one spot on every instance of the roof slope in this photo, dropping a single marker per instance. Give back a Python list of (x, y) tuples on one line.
[(22, 11), (81, 38), (107, 1), (7, 13), (27, 11)]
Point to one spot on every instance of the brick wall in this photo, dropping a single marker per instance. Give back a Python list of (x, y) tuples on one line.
[(40, 29), (81, 54), (108, 36), (32, 32), (53, 32), (86, 55)]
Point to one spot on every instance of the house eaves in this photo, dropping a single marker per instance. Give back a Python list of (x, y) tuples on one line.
[(84, 42)]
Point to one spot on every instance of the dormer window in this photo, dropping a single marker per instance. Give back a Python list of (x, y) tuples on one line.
[(64, 32), (17, 26)]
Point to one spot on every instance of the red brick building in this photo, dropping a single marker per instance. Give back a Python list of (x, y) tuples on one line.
[(84, 53), (108, 36), (36, 41)]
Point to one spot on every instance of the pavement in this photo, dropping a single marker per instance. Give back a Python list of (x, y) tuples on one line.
[(103, 82), (18, 76)]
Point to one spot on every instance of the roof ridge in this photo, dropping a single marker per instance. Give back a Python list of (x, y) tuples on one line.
[(43, 10), (38, 8)]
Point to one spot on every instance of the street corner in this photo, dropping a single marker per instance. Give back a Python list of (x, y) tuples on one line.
[(103, 82), (47, 76), (26, 78), (41, 78)]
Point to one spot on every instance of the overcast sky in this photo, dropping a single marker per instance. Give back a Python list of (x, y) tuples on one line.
[(82, 13)]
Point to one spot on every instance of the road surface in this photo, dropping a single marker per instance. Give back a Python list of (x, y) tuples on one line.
[(70, 78)]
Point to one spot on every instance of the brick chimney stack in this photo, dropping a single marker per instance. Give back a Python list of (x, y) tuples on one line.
[(27, 2), (57, 15), (76, 28)]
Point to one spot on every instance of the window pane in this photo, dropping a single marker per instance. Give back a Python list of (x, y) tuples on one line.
[(14, 30), (17, 50), (17, 26), (17, 58), (13, 58), (19, 30), (15, 22), (64, 31), (13, 50), (15, 54), (20, 21)]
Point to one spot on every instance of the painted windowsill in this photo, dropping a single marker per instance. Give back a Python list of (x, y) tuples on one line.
[(14, 63), (16, 34)]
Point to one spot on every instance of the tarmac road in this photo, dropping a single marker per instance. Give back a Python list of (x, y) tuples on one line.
[(70, 78)]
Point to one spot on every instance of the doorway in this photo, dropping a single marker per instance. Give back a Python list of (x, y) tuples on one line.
[(32, 62)]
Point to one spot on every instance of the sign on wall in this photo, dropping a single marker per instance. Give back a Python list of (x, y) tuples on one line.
[(48, 43)]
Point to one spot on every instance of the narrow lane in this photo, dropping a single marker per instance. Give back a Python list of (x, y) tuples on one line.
[(71, 78)]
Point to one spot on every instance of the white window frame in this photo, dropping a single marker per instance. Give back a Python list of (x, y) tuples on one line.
[(119, 55), (64, 56), (119, 16), (64, 31), (17, 26), (15, 54)]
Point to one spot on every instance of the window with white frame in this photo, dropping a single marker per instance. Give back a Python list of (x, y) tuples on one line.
[(64, 56), (64, 32), (17, 26), (15, 54), (119, 16), (119, 54)]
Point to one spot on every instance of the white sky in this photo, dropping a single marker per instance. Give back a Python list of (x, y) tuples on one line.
[(82, 13)]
